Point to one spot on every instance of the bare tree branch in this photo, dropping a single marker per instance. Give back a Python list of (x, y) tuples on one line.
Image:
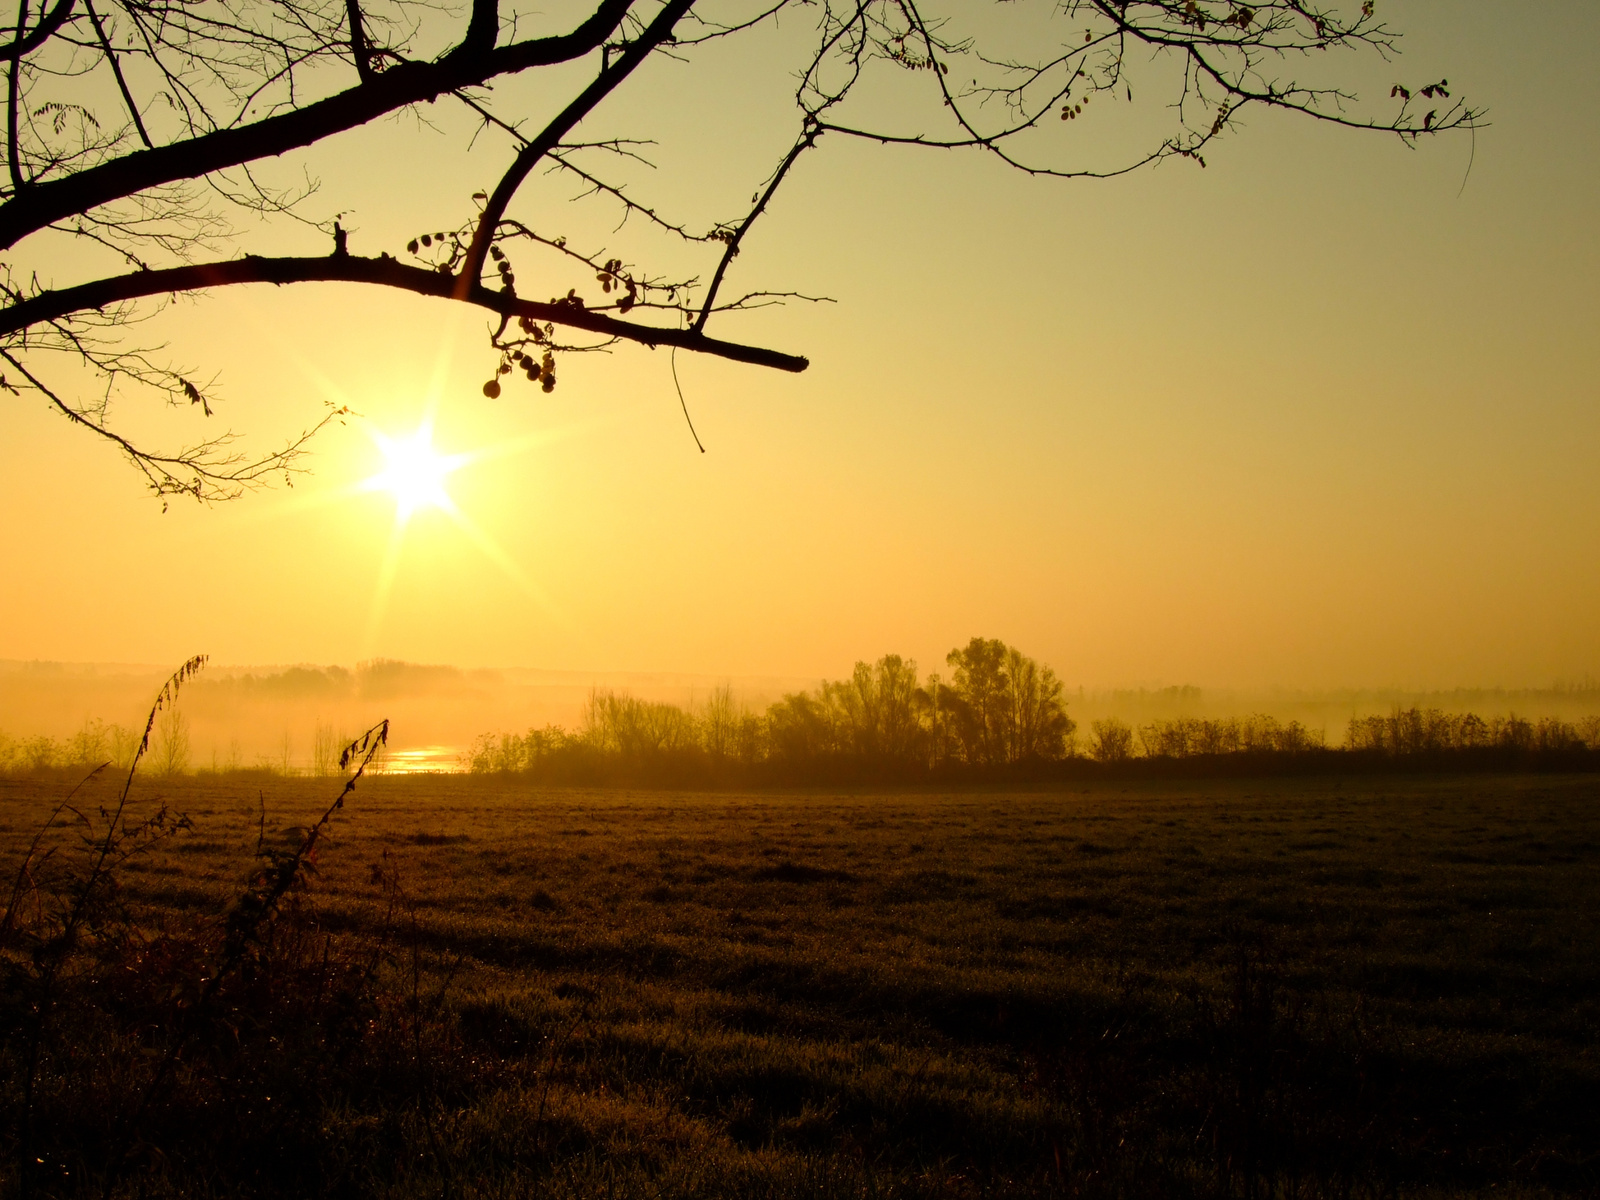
[(384, 272), (808, 139), (213, 91), (116, 70), (408, 83), (609, 79), (207, 471), (41, 33)]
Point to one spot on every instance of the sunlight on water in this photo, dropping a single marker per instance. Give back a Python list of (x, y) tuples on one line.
[(423, 760)]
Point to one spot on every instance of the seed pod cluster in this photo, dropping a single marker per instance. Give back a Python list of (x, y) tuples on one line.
[(611, 276), (502, 264), (426, 240), (540, 369)]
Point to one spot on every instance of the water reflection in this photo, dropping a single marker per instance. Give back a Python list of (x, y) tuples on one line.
[(422, 760)]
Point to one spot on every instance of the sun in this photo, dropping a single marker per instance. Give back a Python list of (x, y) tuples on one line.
[(414, 472)]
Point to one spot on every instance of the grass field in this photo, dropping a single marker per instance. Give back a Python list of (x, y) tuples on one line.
[(1385, 987)]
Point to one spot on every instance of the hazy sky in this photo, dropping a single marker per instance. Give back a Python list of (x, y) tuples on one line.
[(1316, 415)]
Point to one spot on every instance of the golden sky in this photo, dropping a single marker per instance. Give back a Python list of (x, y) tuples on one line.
[(1317, 415)]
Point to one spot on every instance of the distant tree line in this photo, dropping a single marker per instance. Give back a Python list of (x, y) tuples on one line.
[(94, 743), (998, 712), (171, 751), (999, 715), (1423, 732), (1191, 737)]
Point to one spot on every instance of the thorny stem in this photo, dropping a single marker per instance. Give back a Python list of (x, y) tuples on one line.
[(116, 70), (808, 139), (610, 77), (13, 85)]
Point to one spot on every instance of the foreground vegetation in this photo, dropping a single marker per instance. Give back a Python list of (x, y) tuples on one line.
[(1378, 987)]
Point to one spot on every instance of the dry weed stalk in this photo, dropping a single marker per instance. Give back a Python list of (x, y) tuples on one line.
[(259, 906), (48, 945), (64, 926)]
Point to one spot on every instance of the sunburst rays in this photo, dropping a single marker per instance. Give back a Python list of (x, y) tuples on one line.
[(414, 476)]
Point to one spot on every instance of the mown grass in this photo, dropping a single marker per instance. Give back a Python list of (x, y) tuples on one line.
[(1251, 988)]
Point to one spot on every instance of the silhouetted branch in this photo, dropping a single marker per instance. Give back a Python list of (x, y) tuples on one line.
[(399, 86), (213, 89), (37, 36), (360, 48), (529, 156), (116, 71), (383, 271), (808, 139), (206, 471)]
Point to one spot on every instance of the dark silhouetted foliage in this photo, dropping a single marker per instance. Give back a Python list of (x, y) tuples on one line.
[(147, 134)]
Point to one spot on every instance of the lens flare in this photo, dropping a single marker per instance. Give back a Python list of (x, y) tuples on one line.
[(414, 472)]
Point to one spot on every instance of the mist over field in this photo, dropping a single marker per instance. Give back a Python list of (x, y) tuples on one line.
[(244, 714), (274, 715)]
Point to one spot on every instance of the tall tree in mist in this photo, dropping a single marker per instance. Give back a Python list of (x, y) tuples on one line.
[(151, 150), (880, 706), (1006, 707)]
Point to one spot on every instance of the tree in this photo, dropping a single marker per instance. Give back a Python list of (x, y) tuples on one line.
[(979, 685), (1112, 741), (143, 142), (1007, 708), (880, 708), (801, 728), (172, 743), (1037, 719), (719, 722)]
